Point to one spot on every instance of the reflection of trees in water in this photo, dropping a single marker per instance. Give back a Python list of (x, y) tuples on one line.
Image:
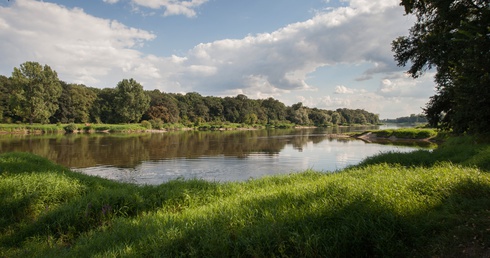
[(129, 150)]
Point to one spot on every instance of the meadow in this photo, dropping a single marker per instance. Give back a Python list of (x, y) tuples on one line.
[(429, 203)]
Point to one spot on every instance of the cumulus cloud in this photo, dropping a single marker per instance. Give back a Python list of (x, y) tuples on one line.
[(172, 7), (110, 1), (286, 56), (84, 50), (406, 86), (341, 89)]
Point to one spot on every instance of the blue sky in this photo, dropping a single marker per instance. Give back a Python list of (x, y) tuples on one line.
[(325, 53)]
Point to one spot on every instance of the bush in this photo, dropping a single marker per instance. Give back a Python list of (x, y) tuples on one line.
[(146, 124), (157, 123), (71, 128), (411, 133), (88, 127), (384, 133)]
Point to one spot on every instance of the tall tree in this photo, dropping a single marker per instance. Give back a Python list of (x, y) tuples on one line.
[(274, 110), (103, 109), (298, 114), (162, 106), (130, 101), (452, 36), (337, 118), (4, 96), (75, 104), (35, 92)]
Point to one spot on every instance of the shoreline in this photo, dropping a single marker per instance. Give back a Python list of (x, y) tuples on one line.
[(371, 137)]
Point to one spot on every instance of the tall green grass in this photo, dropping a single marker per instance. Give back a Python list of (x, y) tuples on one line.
[(62, 128), (388, 208), (34, 128), (406, 133)]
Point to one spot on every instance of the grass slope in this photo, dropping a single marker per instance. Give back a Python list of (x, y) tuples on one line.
[(426, 203)]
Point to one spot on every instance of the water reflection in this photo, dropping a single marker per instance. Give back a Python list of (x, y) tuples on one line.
[(224, 156)]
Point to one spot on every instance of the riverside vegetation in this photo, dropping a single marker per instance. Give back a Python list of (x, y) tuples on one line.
[(424, 203)]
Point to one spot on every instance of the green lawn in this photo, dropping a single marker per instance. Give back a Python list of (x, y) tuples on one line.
[(421, 204)]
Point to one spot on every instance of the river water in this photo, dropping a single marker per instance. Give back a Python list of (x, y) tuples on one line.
[(154, 158)]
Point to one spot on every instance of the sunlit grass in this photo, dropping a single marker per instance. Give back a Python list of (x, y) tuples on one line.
[(34, 128), (406, 133), (396, 205)]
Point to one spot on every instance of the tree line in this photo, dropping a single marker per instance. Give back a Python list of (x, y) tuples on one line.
[(34, 94), (412, 119)]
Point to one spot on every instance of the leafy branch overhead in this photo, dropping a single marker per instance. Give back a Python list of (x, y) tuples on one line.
[(452, 37)]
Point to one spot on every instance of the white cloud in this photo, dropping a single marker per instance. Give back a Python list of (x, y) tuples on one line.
[(341, 89), (85, 49), (406, 86), (286, 56), (172, 7)]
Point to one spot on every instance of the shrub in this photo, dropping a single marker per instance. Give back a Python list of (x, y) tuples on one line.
[(88, 127), (157, 123), (146, 124), (384, 133), (71, 128)]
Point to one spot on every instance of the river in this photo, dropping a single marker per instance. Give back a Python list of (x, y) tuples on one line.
[(154, 158)]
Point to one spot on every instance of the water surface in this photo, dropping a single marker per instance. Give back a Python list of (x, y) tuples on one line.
[(216, 156)]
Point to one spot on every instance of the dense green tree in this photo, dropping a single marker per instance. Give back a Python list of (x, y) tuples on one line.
[(103, 109), (319, 117), (163, 106), (336, 118), (241, 109), (75, 104), (298, 114), (35, 90), (231, 109), (215, 107), (453, 37), (130, 101), (197, 111), (4, 97), (413, 118), (274, 110)]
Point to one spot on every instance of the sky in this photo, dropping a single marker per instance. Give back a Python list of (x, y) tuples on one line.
[(326, 54)]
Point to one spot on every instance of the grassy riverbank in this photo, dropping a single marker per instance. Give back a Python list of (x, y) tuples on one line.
[(63, 128), (123, 128), (426, 203)]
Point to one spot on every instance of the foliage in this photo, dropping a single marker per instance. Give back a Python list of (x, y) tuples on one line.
[(130, 101), (71, 128), (146, 124), (412, 119), (34, 92), (32, 129), (397, 208), (453, 37), (406, 133), (75, 103), (103, 110), (156, 123)]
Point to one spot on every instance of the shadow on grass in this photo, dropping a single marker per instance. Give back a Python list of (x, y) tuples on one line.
[(282, 225), (469, 153), (44, 200)]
